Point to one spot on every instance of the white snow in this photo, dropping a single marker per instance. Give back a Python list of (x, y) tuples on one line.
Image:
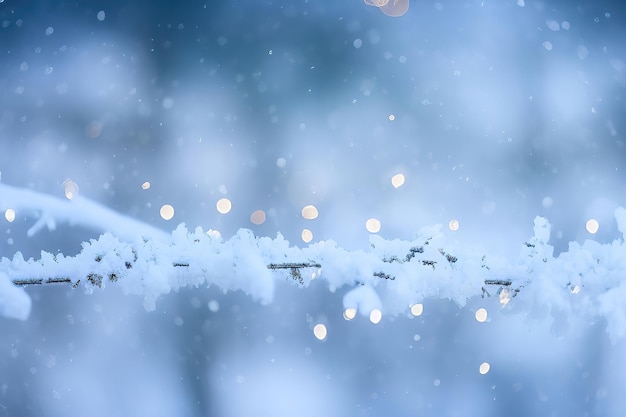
[(79, 210), (620, 216), (390, 276), (14, 302)]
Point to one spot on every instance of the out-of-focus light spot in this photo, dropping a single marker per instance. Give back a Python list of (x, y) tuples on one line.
[(576, 289), (70, 188), (101, 15), (223, 205), (392, 117), (93, 129), (307, 235), (214, 233), (372, 225), (592, 226), (168, 103), (397, 180), (258, 217), (417, 309), (505, 297), (376, 316), (310, 212), (481, 315), (281, 162), (49, 30), (547, 45), (320, 331), (357, 43), (9, 214), (484, 368), (553, 25), (454, 225), (167, 212), (145, 185), (437, 382), (349, 313), (394, 8), (547, 202), (214, 306)]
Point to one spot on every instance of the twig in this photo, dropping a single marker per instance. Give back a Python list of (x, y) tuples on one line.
[(294, 268), (40, 281), (503, 282), (290, 265)]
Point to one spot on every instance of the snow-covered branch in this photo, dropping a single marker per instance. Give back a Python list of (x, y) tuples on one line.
[(390, 276), (78, 210)]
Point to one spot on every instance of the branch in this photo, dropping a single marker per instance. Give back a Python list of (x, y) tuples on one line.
[(294, 268), (390, 275), (39, 281), (79, 211)]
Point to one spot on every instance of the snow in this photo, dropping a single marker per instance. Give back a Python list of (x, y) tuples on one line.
[(14, 302), (78, 211), (363, 299), (620, 216), (390, 276)]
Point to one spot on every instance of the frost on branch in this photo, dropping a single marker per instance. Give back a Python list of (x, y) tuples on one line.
[(390, 276)]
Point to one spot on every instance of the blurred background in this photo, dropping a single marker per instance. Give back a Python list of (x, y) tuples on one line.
[(492, 112)]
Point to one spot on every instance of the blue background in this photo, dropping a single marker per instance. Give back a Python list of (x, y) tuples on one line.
[(501, 112)]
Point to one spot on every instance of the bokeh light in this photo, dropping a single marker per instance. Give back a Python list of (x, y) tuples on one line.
[(349, 313), (505, 297), (145, 185), (547, 202), (214, 233), (320, 331), (484, 368), (372, 225), (592, 226), (310, 212), (454, 225), (481, 315), (417, 309), (397, 180), (70, 188), (167, 212), (223, 205), (258, 217), (307, 235), (394, 8), (376, 316), (9, 214), (377, 3)]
